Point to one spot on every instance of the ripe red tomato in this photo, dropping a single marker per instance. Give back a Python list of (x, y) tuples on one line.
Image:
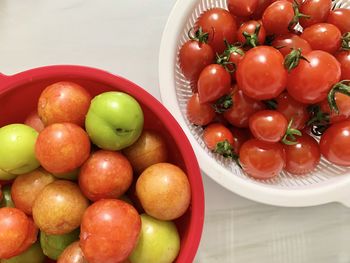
[(262, 160), (220, 25), (199, 113), (285, 44), (310, 81), (344, 59), (216, 133), (302, 157), (240, 136), (261, 74), (340, 17), (194, 56), (242, 8), (323, 36), (277, 17), (318, 10), (242, 108), (262, 5), (213, 83), (291, 108), (268, 125), (249, 34), (335, 143), (343, 104)]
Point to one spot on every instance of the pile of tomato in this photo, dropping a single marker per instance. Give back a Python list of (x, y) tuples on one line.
[(271, 83)]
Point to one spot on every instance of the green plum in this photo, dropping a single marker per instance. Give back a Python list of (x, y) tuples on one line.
[(7, 199), (34, 254), (159, 242), (53, 245), (114, 120), (17, 154)]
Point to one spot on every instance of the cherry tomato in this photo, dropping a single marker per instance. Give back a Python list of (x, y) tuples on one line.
[(277, 17), (268, 125), (220, 25), (262, 160), (343, 104), (291, 108), (194, 56), (216, 133), (344, 59), (199, 113), (213, 83), (261, 74), (310, 81), (247, 33), (242, 108), (335, 143), (285, 44), (318, 10), (262, 5), (323, 36), (340, 17), (240, 136), (302, 157), (242, 8)]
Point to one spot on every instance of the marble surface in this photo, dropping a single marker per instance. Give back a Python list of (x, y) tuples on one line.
[(123, 37)]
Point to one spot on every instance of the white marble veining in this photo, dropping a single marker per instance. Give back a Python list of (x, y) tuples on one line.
[(123, 37)]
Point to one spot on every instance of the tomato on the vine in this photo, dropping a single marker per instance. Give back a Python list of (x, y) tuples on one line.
[(251, 33), (199, 113), (287, 42), (344, 59), (242, 8), (340, 17), (317, 10)]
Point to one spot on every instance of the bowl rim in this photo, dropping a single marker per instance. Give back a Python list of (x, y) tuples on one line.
[(193, 236)]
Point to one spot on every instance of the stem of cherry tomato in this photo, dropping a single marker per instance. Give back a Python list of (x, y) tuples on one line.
[(224, 58), (252, 39), (293, 58), (223, 104), (289, 137), (341, 87), (345, 43), (297, 16), (225, 149), (319, 121), (199, 35)]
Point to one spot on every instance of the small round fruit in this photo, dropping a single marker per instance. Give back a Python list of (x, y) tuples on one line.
[(27, 187), (34, 254), (159, 242), (66, 204), (33, 120), (216, 133), (149, 149), (340, 18), (199, 113), (72, 254), (164, 191), (6, 199)]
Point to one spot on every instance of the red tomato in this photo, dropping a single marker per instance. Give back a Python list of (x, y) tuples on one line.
[(240, 136), (302, 157), (344, 59), (220, 25), (277, 17), (323, 36), (340, 17), (285, 44), (262, 5), (343, 104), (262, 160), (242, 8), (335, 143), (242, 108), (310, 81), (318, 10), (216, 133), (261, 74), (268, 125), (249, 35), (194, 56), (199, 113), (291, 108), (213, 83)]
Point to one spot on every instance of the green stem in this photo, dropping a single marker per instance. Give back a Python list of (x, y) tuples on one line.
[(289, 137), (293, 58), (341, 87), (225, 149), (223, 104), (345, 43), (297, 16), (199, 35)]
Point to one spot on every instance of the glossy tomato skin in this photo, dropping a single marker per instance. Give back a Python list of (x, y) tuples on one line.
[(311, 81), (344, 59), (277, 17), (262, 160), (220, 25), (268, 125), (242, 8), (335, 143), (199, 113), (302, 157), (194, 57), (261, 74), (243, 107), (213, 83), (291, 108), (323, 36), (318, 10), (250, 27), (343, 104), (340, 17), (285, 43), (215, 133)]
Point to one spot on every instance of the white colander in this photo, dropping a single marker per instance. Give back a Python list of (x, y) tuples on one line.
[(328, 183)]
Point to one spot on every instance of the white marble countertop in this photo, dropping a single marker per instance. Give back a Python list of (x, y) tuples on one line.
[(123, 37)]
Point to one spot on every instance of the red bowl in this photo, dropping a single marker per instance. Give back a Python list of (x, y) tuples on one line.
[(19, 95)]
